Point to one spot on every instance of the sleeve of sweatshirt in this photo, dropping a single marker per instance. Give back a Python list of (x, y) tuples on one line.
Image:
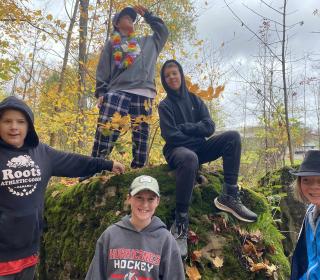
[(98, 267), (75, 165), (159, 28), (205, 127), (171, 266), (103, 70), (171, 133)]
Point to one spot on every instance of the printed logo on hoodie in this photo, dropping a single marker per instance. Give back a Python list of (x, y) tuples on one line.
[(138, 262), (22, 176)]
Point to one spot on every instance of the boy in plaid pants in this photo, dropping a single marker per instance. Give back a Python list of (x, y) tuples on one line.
[(125, 79)]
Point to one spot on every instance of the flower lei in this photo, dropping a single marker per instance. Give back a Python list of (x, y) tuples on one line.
[(124, 55)]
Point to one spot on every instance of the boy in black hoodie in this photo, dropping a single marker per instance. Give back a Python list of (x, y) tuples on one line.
[(139, 246), (185, 125), (26, 166)]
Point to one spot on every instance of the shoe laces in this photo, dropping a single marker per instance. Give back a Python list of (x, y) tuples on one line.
[(180, 231)]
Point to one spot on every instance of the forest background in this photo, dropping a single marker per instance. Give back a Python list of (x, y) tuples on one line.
[(270, 92)]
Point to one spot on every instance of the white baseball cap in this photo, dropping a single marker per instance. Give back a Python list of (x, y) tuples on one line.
[(144, 182)]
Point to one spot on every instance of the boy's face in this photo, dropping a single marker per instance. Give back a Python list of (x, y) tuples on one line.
[(13, 127), (310, 188), (125, 24), (143, 205), (172, 77)]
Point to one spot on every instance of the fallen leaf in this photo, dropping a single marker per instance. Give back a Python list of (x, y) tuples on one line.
[(271, 269), (249, 249), (196, 255), (193, 273), (271, 249), (193, 237), (218, 262), (55, 193), (258, 266)]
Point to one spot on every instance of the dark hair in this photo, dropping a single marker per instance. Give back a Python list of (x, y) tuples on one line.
[(169, 65)]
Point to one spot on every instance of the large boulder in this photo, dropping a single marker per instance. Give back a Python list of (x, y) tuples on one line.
[(220, 247)]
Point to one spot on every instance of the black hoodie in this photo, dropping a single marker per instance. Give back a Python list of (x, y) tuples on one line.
[(184, 118), (24, 175)]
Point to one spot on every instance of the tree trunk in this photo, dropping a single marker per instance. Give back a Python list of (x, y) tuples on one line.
[(285, 93), (109, 24), (83, 34), (64, 64)]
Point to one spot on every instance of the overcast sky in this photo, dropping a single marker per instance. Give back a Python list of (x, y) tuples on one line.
[(217, 24)]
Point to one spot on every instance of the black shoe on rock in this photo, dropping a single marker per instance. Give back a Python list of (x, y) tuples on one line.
[(179, 230), (230, 202)]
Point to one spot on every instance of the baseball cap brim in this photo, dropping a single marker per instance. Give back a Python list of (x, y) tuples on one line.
[(304, 173), (143, 188)]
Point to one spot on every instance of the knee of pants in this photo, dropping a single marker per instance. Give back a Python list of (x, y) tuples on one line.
[(233, 135), (190, 161)]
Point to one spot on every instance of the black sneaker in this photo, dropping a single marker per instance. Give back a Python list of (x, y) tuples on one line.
[(233, 205), (179, 230)]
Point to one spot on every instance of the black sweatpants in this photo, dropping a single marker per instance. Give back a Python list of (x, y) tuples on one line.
[(186, 163)]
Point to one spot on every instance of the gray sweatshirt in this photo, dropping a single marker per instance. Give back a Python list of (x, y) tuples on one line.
[(141, 73), (122, 252)]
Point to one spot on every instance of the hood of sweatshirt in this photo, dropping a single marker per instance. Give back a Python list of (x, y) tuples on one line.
[(12, 102), (183, 91), (155, 224)]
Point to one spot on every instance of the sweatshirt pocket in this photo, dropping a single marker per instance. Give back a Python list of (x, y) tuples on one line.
[(18, 231)]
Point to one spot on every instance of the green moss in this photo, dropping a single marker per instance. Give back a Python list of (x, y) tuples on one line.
[(76, 216)]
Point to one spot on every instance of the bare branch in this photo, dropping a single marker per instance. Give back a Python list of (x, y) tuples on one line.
[(279, 12), (254, 33), (262, 16)]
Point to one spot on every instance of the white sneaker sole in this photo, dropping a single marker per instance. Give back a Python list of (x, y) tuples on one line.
[(229, 210)]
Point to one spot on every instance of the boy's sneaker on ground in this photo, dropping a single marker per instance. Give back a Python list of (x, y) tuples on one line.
[(179, 230), (233, 205)]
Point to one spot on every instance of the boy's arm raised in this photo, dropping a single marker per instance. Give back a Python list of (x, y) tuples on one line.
[(159, 28)]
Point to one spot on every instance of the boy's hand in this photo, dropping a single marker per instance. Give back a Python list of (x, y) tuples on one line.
[(99, 102), (118, 167), (140, 10)]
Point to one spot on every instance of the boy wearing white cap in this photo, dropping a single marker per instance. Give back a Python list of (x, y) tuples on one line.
[(139, 246)]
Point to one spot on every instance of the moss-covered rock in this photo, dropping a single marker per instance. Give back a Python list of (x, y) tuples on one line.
[(220, 246), (287, 211)]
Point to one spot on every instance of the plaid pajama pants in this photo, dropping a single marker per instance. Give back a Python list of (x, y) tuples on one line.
[(123, 103)]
